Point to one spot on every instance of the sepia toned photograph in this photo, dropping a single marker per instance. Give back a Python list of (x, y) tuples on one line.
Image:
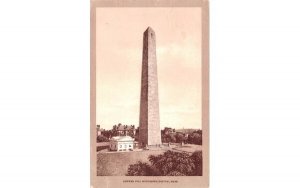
[(147, 92)]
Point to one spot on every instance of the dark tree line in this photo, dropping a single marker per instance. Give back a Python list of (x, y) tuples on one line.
[(169, 163), (167, 136), (117, 130), (178, 137), (195, 138)]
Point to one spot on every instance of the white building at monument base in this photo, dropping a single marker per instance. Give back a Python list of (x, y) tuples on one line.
[(121, 143)]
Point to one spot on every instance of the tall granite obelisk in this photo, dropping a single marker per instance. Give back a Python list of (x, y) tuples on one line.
[(149, 130)]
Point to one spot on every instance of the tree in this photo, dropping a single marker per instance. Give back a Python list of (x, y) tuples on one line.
[(102, 138), (107, 134), (198, 131), (172, 138), (179, 137), (169, 163), (195, 138), (166, 138), (140, 169), (172, 163), (114, 131)]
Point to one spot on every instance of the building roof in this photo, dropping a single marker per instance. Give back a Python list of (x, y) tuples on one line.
[(122, 138)]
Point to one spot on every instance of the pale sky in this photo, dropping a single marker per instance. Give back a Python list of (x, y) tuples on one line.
[(119, 41)]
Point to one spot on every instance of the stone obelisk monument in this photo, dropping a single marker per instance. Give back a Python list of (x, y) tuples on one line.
[(149, 131)]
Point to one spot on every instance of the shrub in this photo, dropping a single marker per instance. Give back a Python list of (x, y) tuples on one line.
[(195, 138), (169, 163), (197, 160), (172, 162), (102, 138), (139, 169)]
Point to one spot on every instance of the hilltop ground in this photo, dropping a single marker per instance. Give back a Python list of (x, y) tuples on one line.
[(116, 163)]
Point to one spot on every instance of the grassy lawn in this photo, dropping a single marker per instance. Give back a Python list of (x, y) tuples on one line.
[(190, 148), (116, 163), (102, 143)]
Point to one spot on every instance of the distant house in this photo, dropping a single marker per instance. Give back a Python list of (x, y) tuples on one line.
[(124, 130), (121, 143)]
